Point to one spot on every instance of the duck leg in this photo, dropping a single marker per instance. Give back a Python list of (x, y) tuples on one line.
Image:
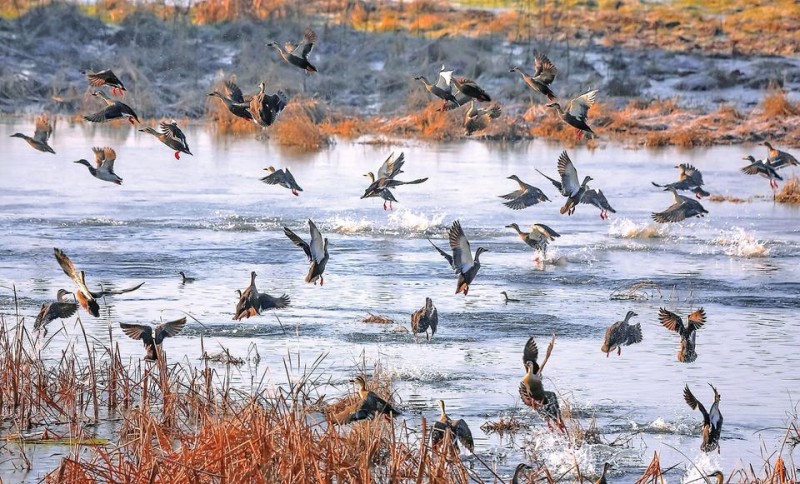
[(579, 134), (130, 120), (321, 281), (294, 192), (619, 350), (177, 155), (390, 205), (384, 204)]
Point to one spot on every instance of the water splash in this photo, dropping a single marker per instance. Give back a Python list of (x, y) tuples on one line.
[(349, 225), (704, 464), (737, 242), (406, 220), (627, 229)]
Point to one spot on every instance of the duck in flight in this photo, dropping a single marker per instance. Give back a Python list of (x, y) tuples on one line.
[(569, 186), (316, 251), (282, 177), (544, 73), (41, 134), (172, 136), (234, 100), (526, 196), (620, 334), (712, 420), (104, 165), (683, 208), (153, 337), (423, 319), (379, 187), (60, 309), (106, 78), (687, 332), (113, 110), (251, 302), (297, 55), (461, 261), (575, 113)]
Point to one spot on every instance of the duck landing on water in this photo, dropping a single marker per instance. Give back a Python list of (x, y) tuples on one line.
[(425, 318)]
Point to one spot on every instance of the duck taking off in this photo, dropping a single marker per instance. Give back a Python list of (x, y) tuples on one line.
[(151, 337), (598, 199), (538, 238), (758, 167), (264, 108), (251, 302), (544, 73), (688, 332), (371, 404), (465, 266), (690, 179), (105, 78), (316, 251), (452, 431), (471, 89), (531, 388), (622, 334), (778, 159), (575, 113), (234, 100), (282, 177), (41, 134), (423, 319), (59, 309), (379, 187), (113, 110), (297, 55), (477, 119), (712, 420), (442, 89), (568, 186), (104, 165), (683, 208), (526, 196), (171, 135)]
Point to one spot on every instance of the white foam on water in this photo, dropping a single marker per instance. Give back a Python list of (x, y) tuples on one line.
[(703, 465), (406, 220), (627, 229), (737, 242), (349, 225)]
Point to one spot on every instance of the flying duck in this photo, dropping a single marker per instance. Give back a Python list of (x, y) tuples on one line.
[(576, 112), (379, 187), (41, 134), (113, 110), (251, 302), (538, 238), (153, 337), (683, 208), (526, 196), (465, 266), (264, 109), (105, 78), (621, 334), (476, 119), (598, 199), (59, 309), (234, 100), (779, 159), (471, 89), (316, 251), (712, 420), (424, 318), (298, 55), (569, 186), (171, 135), (544, 73), (282, 177), (442, 89), (531, 388), (673, 322), (758, 167), (448, 430), (690, 179), (104, 165)]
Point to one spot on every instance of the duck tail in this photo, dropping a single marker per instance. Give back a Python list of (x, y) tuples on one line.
[(636, 333)]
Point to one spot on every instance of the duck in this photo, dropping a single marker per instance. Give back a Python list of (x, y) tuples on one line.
[(471, 89), (507, 299), (718, 476), (282, 177), (598, 199), (425, 318), (683, 208), (476, 119), (575, 113), (113, 110), (758, 167), (234, 100), (41, 134), (531, 387), (452, 431), (521, 470), (622, 334), (171, 135), (442, 89), (778, 159), (544, 73), (447, 257), (316, 251), (251, 302), (264, 109), (60, 309), (85, 296), (151, 337), (568, 186), (380, 185), (106, 77), (298, 55), (694, 321), (538, 238), (371, 404), (602, 478), (712, 420), (465, 266), (188, 280), (104, 165), (383, 193), (690, 179), (526, 196)]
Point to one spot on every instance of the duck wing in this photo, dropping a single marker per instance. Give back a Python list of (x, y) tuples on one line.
[(444, 254), (234, 92), (444, 80), (173, 131), (697, 319), (695, 404), (317, 245), (298, 242), (265, 301), (555, 183), (392, 166), (111, 111), (115, 292), (109, 156), (579, 107), (290, 179), (305, 46), (43, 129), (463, 433), (138, 331), (462, 254), (671, 321), (171, 328), (544, 71), (674, 213), (52, 311), (569, 175), (69, 269), (531, 353), (275, 178), (545, 230)]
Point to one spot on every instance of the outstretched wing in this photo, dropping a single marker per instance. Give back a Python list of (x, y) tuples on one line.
[(546, 230), (174, 132), (579, 107), (543, 70), (697, 319), (462, 431), (274, 178), (306, 45), (444, 254), (317, 246), (569, 175), (116, 292), (443, 82), (109, 156), (170, 328), (671, 321), (462, 254), (531, 353), (265, 301), (298, 241), (675, 213), (694, 403), (138, 331), (43, 129), (392, 166), (234, 92)]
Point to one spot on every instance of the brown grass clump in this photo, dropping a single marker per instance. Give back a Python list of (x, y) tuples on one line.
[(653, 474), (503, 425), (299, 126), (377, 319), (725, 198), (790, 193), (776, 103)]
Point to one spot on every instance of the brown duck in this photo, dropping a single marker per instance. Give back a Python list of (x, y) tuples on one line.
[(425, 318), (544, 73), (251, 302), (687, 332), (575, 113), (41, 134), (151, 337), (621, 334), (531, 388)]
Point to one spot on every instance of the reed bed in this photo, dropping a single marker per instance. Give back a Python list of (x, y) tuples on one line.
[(790, 193)]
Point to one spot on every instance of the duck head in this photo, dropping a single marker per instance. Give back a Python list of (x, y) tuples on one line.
[(270, 169), (514, 69), (749, 158), (360, 382), (480, 251), (630, 315), (555, 106), (18, 135), (586, 180)]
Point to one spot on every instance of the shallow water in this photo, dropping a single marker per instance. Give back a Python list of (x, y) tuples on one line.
[(210, 216)]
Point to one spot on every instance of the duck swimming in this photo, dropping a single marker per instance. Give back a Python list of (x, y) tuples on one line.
[(41, 134)]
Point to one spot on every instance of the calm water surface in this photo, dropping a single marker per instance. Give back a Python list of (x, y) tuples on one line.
[(210, 216)]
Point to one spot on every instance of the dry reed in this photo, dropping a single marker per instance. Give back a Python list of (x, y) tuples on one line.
[(790, 193)]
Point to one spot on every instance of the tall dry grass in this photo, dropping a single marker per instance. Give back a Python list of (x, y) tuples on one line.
[(790, 193), (776, 103)]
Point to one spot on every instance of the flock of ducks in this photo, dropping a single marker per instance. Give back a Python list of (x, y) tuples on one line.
[(263, 109)]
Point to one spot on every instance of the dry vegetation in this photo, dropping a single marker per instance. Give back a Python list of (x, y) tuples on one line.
[(790, 193)]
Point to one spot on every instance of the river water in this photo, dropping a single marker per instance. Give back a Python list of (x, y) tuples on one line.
[(209, 216)]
